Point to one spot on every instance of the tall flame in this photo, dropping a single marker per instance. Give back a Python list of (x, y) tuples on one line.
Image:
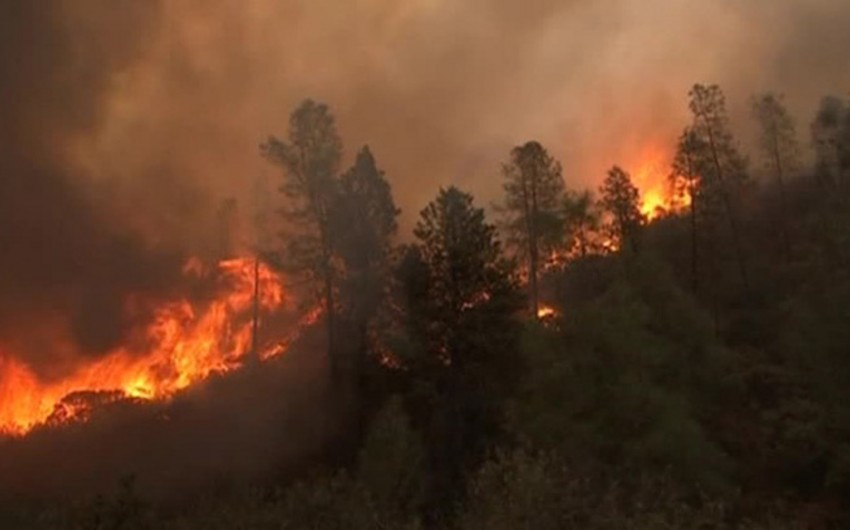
[(186, 342), (650, 176)]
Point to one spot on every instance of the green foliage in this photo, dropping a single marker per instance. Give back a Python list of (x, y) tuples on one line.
[(392, 463), (517, 490), (462, 305), (466, 296), (620, 381), (522, 489)]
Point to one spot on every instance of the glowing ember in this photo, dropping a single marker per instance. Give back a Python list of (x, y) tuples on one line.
[(185, 343), (544, 312)]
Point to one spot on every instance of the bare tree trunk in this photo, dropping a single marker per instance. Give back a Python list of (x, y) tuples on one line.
[(534, 251), (730, 212), (535, 303), (783, 203), (694, 257), (330, 321)]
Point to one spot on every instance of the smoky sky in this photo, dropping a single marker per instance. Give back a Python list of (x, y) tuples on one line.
[(66, 265), (124, 124), (441, 90)]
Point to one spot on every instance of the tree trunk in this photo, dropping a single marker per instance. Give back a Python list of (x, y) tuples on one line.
[(330, 321), (694, 257), (534, 251), (730, 212), (783, 204)]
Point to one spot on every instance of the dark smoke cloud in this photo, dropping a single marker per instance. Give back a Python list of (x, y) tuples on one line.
[(65, 267)]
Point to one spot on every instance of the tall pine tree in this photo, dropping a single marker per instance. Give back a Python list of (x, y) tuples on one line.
[(534, 193), (463, 309), (310, 161)]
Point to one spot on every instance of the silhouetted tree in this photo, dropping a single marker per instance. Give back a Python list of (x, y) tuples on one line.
[(464, 313), (534, 191), (726, 168), (364, 223), (685, 178), (621, 200), (780, 150), (310, 161), (831, 139)]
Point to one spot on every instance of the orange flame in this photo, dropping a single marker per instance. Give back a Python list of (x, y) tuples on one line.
[(650, 176), (545, 312), (186, 343)]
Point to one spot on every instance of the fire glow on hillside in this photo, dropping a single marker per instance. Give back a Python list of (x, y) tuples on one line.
[(185, 342)]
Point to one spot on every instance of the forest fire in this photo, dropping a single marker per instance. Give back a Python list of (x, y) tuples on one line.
[(650, 176), (185, 342)]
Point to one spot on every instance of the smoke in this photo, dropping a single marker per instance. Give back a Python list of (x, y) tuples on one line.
[(442, 90), (125, 124), (66, 265)]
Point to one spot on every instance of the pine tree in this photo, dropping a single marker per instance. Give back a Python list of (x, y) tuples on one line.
[(780, 150), (464, 312), (621, 200), (725, 170), (685, 179), (310, 161), (364, 224), (534, 192), (831, 139)]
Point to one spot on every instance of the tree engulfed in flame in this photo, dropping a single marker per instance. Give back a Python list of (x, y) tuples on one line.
[(186, 342)]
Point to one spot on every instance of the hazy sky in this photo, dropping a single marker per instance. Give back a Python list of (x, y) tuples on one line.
[(441, 89)]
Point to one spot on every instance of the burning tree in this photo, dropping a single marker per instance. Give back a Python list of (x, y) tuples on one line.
[(534, 192), (582, 222)]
